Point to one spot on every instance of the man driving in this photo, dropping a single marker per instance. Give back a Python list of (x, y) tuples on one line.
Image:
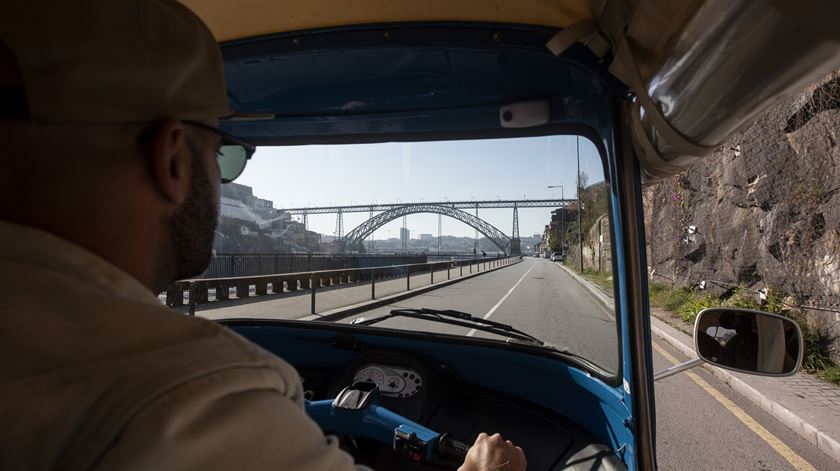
[(113, 159)]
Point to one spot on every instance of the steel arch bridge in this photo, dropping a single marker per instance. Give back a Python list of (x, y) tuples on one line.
[(360, 233)]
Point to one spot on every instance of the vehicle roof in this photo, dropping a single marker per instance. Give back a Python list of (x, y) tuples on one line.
[(250, 18), (698, 74)]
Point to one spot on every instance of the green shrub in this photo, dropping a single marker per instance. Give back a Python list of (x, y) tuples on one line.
[(657, 288), (603, 279), (687, 302), (674, 300), (742, 297), (684, 302), (657, 293), (694, 303), (815, 358), (831, 374)]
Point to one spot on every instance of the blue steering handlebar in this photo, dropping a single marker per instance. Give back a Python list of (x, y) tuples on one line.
[(354, 412)]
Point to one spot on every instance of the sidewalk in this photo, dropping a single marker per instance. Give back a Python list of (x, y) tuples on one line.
[(809, 406)]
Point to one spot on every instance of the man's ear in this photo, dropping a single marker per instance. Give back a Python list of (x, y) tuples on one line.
[(170, 161)]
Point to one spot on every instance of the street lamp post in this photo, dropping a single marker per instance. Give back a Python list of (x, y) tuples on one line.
[(561, 190)]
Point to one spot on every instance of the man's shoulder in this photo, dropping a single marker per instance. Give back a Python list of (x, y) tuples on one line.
[(90, 362), (56, 323), (179, 348), (133, 350)]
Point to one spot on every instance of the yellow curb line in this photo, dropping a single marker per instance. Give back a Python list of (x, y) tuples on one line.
[(787, 453)]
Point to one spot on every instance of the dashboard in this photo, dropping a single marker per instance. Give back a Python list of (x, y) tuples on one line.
[(482, 391), (409, 386), (429, 393), (393, 381)]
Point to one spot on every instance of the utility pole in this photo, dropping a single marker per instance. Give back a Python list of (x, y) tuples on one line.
[(579, 205)]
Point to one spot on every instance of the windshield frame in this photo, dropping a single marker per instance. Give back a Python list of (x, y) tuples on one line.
[(611, 378), (591, 114)]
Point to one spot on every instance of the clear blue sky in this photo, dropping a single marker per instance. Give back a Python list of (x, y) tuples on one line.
[(422, 171)]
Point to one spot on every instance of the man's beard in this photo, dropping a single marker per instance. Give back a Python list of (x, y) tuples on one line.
[(193, 225)]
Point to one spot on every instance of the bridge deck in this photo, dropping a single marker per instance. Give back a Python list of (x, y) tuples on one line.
[(487, 204)]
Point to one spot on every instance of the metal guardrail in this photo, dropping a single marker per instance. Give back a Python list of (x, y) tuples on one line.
[(226, 265), (198, 290)]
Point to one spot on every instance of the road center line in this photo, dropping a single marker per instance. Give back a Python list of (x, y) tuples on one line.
[(493, 309), (787, 453)]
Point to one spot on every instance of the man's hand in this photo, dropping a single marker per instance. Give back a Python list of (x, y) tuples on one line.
[(493, 453)]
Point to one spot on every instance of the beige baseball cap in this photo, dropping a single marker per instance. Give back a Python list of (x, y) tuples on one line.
[(113, 61)]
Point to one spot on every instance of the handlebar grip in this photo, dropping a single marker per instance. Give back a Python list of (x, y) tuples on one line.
[(450, 449)]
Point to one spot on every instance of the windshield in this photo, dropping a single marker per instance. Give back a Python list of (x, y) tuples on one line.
[(485, 227)]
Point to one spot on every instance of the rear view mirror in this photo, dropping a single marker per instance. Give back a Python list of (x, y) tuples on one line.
[(748, 341)]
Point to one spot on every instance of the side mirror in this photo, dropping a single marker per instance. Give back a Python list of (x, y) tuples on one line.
[(748, 341)]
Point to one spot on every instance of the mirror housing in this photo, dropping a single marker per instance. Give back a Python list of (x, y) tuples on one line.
[(748, 341)]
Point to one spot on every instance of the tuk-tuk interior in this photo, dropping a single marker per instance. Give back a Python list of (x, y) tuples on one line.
[(412, 72), (420, 82)]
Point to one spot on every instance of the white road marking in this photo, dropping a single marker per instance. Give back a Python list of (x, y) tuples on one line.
[(493, 309)]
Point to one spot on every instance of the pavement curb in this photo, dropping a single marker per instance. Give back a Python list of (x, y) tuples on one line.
[(594, 290), (806, 430), (809, 432), (340, 313)]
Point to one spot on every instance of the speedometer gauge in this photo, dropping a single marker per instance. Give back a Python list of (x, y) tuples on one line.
[(394, 384), (392, 381), (371, 374)]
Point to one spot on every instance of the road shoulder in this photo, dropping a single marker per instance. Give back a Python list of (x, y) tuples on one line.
[(818, 421), (819, 424)]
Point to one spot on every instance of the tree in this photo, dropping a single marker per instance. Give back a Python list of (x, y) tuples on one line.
[(554, 242), (583, 180)]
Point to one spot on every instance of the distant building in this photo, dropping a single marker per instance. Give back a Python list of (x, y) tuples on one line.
[(427, 237), (263, 205), (245, 194)]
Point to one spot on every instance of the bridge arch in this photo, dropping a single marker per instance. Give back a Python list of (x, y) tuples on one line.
[(360, 233)]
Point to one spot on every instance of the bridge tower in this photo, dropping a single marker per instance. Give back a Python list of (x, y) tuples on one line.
[(440, 232), (339, 225), (515, 246), (475, 244), (372, 234), (305, 221)]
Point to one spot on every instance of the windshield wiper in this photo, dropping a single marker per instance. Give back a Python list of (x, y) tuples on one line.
[(450, 316)]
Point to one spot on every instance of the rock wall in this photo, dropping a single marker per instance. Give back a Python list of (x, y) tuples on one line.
[(763, 211), (597, 251)]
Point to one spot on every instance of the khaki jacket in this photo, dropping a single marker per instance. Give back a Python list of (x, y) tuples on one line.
[(95, 374)]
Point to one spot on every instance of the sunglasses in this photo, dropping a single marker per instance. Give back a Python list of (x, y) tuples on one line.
[(233, 154)]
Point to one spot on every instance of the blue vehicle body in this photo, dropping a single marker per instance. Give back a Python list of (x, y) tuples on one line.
[(411, 82)]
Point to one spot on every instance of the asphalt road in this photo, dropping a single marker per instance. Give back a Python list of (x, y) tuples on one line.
[(546, 303), (695, 430)]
